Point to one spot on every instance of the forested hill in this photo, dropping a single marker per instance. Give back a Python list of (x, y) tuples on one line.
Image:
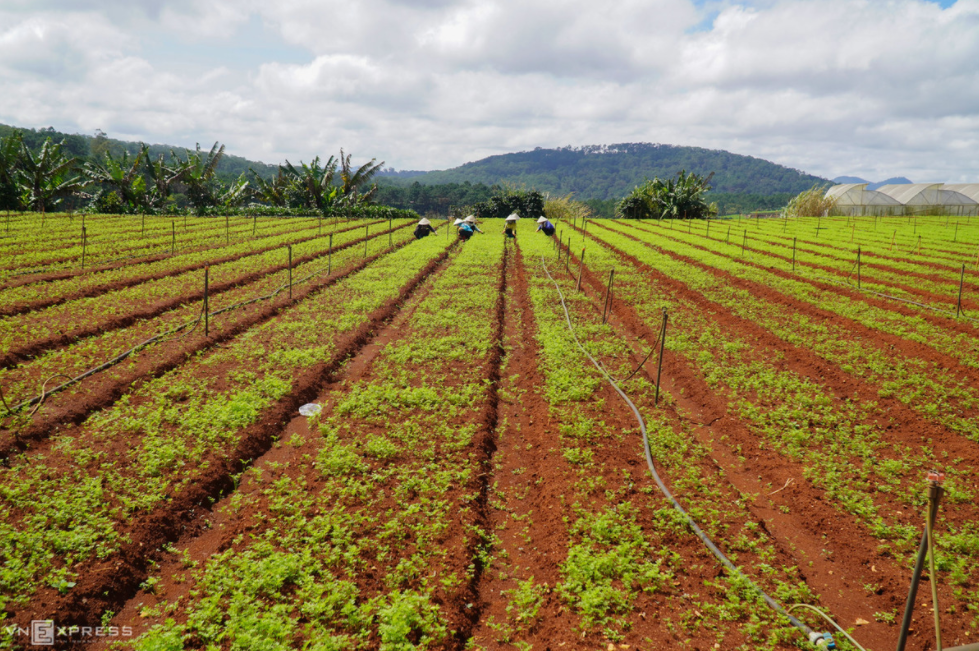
[(611, 171), (83, 147)]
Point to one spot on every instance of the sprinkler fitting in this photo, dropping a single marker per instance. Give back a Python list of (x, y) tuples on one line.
[(822, 640)]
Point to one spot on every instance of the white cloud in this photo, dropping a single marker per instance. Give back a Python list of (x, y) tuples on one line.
[(832, 87)]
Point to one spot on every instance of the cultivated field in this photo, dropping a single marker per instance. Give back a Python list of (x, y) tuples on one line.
[(473, 481)]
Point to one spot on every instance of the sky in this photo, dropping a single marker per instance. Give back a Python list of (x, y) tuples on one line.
[(872, 88)]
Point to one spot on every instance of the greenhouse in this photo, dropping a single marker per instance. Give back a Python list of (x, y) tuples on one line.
[(855, 199), (906, 199)]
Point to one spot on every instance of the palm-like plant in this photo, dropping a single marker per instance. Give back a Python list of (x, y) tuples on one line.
[(123, 176), (197, 173), (236, 193), (163, 177), (43, 180), (679, 197), (313, 185), (352, 180), (9, 158), (274, 192)]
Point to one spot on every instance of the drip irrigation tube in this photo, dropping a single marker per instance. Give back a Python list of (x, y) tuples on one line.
[(895, 298), (821, 640), (37, 400)]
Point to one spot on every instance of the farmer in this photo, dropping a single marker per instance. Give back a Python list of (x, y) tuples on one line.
[(424, 229), (465, 230), (510, 226), (544, 225), (471, 220)]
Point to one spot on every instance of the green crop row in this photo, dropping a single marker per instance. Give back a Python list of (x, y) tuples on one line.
[(28, 294), (923, 385), (840, 444), (358, 540), (81, 315), (27, 380), (71, 499), (959, 345), (622, 546), (105, 246)]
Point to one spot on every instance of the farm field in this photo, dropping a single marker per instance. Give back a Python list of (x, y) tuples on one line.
[(472, 481)]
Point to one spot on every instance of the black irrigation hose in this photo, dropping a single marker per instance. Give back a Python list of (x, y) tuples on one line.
[(152, 340), (897, 298), (810, 634)]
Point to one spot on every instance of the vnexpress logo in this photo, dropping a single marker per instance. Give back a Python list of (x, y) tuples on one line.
[(42, 632)]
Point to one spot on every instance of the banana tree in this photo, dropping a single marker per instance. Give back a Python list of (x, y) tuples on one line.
[(274, 192), (9, 159), (163, 177), (236, 193), (351, 180), (197, 173), (312, 185), (45, 179), (122, 176)]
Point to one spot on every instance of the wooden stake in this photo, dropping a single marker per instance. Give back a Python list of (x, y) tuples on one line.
[(173, 237), (708, 229), (659, 366), (254, 224), (581, 269), (207, 270), (607, 304), (390, 233), (744, 241), (290, 271), (329, 257), (84, 243), (958, 306), (367, 230), (793, 254), (858, 268), (227, 230)]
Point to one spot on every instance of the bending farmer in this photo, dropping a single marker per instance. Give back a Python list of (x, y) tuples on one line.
[(424, 229), (465, 230), (510, 226), (546, 226), (471, 220)]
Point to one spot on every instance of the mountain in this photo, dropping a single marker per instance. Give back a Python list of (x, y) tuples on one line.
[(897, 180), (611, 171), (81, 146)]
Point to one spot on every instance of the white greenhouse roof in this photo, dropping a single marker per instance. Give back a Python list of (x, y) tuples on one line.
[(970, 190), (857, 194), (913, 194)]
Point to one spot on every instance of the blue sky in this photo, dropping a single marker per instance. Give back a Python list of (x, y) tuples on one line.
[(873, 88)]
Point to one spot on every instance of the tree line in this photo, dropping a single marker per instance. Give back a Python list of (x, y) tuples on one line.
[(50, 177)]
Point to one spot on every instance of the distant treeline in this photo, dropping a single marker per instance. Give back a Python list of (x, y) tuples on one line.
[(438, 199), (611, 172), (92, 149)]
